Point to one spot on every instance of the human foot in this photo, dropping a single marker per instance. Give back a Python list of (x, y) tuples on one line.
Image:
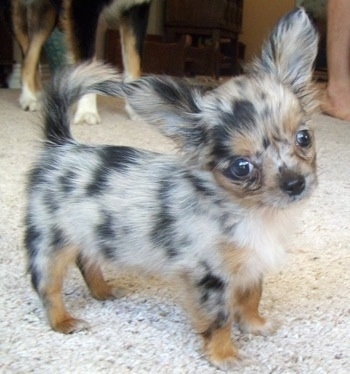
[(336, 104)]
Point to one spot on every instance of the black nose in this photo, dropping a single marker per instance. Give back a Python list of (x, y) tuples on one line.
[(293, 184)]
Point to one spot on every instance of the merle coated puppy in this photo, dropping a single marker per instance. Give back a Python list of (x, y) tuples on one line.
[(214, 217)]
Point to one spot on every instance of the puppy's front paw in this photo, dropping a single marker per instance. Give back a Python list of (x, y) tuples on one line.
[(230, 360), (221, 352), (70, 325), (260, 326)]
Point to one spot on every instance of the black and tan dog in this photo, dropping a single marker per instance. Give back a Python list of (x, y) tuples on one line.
[(213, 218), (34, 20)]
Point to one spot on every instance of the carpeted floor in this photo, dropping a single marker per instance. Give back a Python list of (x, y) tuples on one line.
[(147, 331)]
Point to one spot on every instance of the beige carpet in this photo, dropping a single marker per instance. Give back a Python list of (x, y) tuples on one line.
[(147, 331)]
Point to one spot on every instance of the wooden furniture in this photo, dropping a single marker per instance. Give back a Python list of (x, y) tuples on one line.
[(200, 38), (6, 48), (214, 26), (157, 57)]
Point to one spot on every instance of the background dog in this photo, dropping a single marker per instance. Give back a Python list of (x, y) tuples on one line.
[(213, 218), (34, 20)]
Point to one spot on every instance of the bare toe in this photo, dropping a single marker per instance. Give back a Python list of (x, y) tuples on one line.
[(336, 107)]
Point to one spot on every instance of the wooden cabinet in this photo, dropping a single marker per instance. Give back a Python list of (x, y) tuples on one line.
[(200, 38), (214, 27)]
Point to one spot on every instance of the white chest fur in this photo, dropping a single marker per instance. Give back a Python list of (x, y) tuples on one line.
[(261, 236)]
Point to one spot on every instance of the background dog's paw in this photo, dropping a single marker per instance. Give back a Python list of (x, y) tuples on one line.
[(260, 326), (29, 102), (87, 111), (89, 118), (70, 326)]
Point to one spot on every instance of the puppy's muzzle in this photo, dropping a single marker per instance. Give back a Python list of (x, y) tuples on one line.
[(292, 183)]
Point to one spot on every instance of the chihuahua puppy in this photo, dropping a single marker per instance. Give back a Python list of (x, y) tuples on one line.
[(214, 217)]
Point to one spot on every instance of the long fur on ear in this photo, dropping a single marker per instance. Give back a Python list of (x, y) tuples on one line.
[(290, 51), (171, 104), (176, 107)]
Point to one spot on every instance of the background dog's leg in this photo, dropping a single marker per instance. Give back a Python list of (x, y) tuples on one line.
[(33, 25), (93, 277), (133, 27), (21, 33), (20, 24), (81, 29), (247, 302)]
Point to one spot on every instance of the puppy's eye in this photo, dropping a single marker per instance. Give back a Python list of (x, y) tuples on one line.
[(241, 168), (303, 138)]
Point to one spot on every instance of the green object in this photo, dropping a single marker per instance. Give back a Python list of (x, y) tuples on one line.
[(56, 50)]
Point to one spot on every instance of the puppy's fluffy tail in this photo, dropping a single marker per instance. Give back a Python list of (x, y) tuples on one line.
[(67, 87)]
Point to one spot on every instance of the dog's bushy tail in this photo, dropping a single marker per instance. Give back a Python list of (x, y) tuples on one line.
[(67, 87)]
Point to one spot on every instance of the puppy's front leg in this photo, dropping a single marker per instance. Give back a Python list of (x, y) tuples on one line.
[(247, 304), (219, 348), (211, 313)]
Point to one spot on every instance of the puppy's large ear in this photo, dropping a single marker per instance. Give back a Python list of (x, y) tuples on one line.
[(172, 105), (290, 51)]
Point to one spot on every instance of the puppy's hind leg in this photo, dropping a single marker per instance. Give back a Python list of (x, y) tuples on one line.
[(94, 279), (48, 264)]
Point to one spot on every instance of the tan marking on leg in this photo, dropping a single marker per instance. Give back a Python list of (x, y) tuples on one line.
[(218, 346), (30, 73), (33, 23), (20, 26), (94, 279), (67, 25), (131, 57), (234, 258), (220, 349), (41, 30), (59, 318), (247, 303)]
